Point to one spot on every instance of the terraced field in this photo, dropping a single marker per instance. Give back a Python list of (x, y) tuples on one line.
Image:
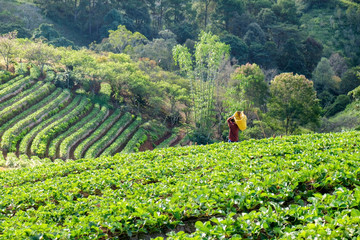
[(38, 119), (296, 187)]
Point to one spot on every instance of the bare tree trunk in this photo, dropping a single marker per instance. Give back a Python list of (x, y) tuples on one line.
[(207, 2)]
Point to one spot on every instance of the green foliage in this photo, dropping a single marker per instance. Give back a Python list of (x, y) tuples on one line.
[(286, 11), (74, 128), (13, 88), (355, 94), (35, 72), (339, 105), (22, 31), (39, 53), (248, 84), (326, 98), (201, 136), (50, 76), (62, 42), (27, 140), (42, 139), (88, 125), (170, 139), (34, 116), (202, 72), (11, 82), (5, 76), (350, 80), (8, 48), (291, 59), (293, 101), (21, 69), (136, 141), (46, 31), (26, 101), (239, 49), (123, 141), (28, 111), (298, 186), (95, 136), (159, 49), (323, 77), (116, 129), (124, 41)]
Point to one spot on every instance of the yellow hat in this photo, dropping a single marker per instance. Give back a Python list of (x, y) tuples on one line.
[(240, 120)]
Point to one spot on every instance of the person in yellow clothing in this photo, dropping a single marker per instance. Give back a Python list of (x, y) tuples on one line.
[(236, 122)]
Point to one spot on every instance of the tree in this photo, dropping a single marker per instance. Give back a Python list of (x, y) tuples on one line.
[(249, 84), (138, 14), (239, 49), (47, 31), (286, 11), (291, 59), (175, 11), (323, 77), (293, 101), (112, 20), (175, 94), (228, 9), (124, 40), (254, 6), (338, 64), (40, 54), (8, 47), (266, 17), (312, 51), (254, 34), (350, 80), (202, 70), (159, 49)]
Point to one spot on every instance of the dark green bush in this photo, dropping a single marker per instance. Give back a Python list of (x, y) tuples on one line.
[(339, 105), (201, 137), (5, 76)]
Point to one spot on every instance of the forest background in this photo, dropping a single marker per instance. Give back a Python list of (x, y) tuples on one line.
[(293, 66)]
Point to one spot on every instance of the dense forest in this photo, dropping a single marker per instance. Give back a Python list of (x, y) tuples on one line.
[(289, 64)]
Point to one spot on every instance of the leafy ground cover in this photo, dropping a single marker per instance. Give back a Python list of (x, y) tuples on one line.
[(38, 119), (280, 188)]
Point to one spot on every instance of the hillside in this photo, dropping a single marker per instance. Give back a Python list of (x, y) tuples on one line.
[(344, 120), (284, 188), (39, 119)]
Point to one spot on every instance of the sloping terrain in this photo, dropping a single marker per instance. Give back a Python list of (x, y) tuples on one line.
[(278, 188), (38, 119)]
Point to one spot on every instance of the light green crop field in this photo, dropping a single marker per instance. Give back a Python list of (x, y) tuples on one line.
[(39, 119), (296, 187)]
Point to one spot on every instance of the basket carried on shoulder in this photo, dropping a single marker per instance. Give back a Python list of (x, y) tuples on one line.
[(240, 120)]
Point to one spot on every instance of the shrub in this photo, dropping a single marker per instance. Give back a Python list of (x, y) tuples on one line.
[(35, 72), (339, 105), (21, 69), (201, 137), (5, 76)]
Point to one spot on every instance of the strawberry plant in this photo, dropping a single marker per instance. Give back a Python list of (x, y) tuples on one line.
[(293, 187)]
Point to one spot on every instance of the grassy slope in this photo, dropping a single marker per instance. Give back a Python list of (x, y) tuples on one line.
[(345, 120), (295, 186), (322, 25), (33, 17)]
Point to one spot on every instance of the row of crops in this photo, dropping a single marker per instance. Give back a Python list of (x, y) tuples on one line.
[(297, 187), (38, 119)]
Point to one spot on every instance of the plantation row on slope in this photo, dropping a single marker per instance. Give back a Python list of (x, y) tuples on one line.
[(295, 187), (38, 119)]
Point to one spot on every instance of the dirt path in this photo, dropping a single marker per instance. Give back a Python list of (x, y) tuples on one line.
[(180, 136)]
